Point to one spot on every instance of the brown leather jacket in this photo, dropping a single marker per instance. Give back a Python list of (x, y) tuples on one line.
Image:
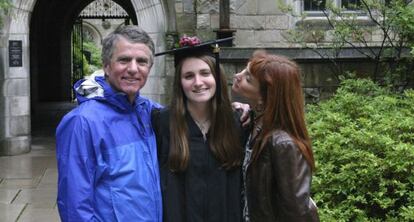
[(278, 183)]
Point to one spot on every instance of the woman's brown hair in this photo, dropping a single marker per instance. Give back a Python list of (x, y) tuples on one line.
[(223, 135), (281, 91)]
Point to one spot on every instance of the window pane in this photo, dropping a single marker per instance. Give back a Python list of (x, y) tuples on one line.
[(314, 5), (351, 4)]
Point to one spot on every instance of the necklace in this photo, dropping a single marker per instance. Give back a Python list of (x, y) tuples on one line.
[(203, 126), (257, 127)]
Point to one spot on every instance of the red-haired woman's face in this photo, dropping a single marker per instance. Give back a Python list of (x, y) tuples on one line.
[(246, 85)]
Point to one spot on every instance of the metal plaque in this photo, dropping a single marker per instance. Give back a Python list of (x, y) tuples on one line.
[(15, 53)]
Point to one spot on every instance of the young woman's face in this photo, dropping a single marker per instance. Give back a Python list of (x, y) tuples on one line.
[(197, 80), (246, 85)]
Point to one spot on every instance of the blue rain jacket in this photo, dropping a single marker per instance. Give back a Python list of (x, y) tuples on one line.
[(107, 160)]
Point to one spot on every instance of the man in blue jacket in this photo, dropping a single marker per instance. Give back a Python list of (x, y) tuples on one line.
[(106, 148)]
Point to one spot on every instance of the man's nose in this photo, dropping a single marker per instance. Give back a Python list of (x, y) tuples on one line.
[(133, 67)]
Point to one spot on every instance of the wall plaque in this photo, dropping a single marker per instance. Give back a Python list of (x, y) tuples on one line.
[(15, 53)]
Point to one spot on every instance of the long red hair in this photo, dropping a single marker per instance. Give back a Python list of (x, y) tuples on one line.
[(281, 91)]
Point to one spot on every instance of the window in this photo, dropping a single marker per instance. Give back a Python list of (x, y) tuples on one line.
[(315, 5), (351, 4), (319, 5)]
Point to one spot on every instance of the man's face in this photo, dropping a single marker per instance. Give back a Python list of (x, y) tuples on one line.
[(129, 67)]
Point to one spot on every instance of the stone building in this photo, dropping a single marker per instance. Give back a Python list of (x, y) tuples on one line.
[(35, 51)]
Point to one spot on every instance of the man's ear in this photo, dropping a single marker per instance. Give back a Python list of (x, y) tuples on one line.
[(106, 69)]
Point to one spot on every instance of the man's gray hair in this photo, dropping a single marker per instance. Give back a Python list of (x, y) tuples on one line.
[(133, 34)]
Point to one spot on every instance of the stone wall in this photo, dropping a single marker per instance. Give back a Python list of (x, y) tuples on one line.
[(260, 24), (15, 84), (257, 23)]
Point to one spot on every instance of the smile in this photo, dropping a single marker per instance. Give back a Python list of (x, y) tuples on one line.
[(131, 80), (200, 90)]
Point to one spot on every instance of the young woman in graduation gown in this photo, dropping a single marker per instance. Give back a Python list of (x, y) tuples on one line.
[(199, 145)]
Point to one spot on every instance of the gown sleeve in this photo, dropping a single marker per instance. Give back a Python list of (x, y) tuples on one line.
[(156, 125), (76, 170)]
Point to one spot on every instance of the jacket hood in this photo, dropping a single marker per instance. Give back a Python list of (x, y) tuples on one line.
[(89, 88), (96, 88)]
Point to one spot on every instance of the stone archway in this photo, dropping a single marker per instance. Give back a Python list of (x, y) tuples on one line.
[(94, 34), (39, 85)]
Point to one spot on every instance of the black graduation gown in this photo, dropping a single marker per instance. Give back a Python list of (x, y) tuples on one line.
[(205, 191)]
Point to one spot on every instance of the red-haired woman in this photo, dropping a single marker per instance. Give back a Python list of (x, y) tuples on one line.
[(278, 164)]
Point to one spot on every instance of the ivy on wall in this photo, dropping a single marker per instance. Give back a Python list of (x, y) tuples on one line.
[(4, 7)]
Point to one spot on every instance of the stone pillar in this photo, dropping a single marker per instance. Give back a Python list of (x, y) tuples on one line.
[(151, 17), (15, 84)]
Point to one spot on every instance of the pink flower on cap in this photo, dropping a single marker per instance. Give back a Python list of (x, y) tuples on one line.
[(189, 41)]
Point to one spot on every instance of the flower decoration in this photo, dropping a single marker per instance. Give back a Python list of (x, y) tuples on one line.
[(189, 41)]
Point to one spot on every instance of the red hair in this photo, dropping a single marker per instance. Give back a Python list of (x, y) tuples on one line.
[(281, 91)]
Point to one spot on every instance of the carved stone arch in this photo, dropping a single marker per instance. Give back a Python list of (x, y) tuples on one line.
[(170, 14), (38, 86), (96, 34), (152, 18), (148, 14)]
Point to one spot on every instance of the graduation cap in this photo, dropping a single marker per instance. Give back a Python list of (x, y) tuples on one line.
[(192, 46)]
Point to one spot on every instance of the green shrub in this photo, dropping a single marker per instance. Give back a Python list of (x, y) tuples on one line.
[(363, 142), (95, 51), (81, 62)]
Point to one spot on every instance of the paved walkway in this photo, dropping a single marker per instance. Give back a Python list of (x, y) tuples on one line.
[(28, 184)]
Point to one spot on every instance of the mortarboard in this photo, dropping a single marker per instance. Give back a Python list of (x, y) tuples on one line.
[(191, 46)]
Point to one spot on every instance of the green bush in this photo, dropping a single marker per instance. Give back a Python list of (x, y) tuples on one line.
[(81, 58), (95, 51), (363, 141)]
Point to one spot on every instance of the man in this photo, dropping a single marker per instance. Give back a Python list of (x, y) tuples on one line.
[(106, 148)]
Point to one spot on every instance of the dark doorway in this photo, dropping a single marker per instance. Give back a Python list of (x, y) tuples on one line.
[(50, 58)]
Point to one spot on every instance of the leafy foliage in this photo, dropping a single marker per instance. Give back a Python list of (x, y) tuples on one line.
[(95, 52), (81, 65), (79, 56), (363, 140), (4, 7)]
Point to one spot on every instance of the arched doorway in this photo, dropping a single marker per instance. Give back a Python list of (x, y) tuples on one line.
[(97, 19), (50, 53)]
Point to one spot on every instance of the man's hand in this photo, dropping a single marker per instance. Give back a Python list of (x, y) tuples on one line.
[(245, 109)]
